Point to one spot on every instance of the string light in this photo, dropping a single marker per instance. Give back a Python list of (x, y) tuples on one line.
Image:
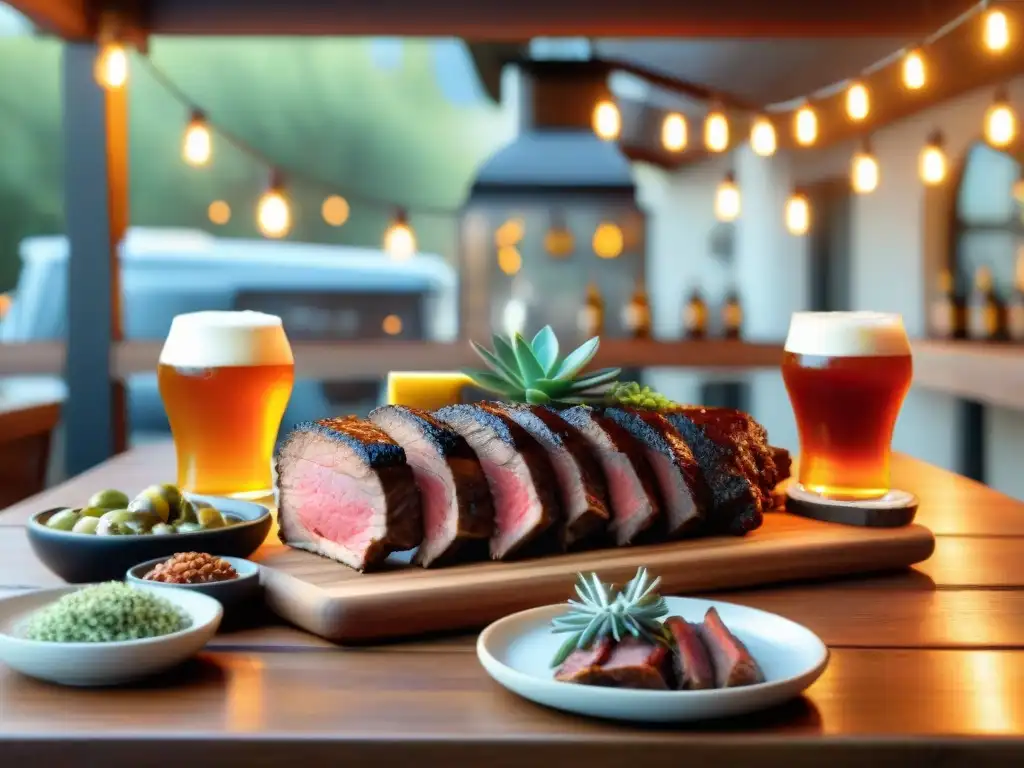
[(111, 70), (805, 126), (727, 199), (607, 120), (1000, 121), (864, 171), (798, 214), (273, 213), (197, 144), (607, 240), (716, 131), (674, 132), (914, 73), (399, 239), (335, 210), (996, 31), (219, 212), (932, 164), (762, 137), (858, 102)]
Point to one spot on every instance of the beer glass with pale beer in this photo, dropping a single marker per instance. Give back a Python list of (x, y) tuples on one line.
[(847, 374), (225, 379)]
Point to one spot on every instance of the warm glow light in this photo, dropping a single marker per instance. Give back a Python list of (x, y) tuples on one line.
[(392, 325), (112, 66), (762, 137), (335, 210), (727, 199), (798, 214), (914, 75), (716, 131), (607, 120), (997, 31), (509, 259), (607, 240), (273, 214), (399, 239), (805, 126), (864, 172), (932, 164), (858, 102), (1000, 122), (559, 242), (674, 132), (219, 212), (197, 144), (509, 233)]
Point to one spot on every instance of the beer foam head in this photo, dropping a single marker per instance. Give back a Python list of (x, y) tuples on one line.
[(219, 339), (847, 334)]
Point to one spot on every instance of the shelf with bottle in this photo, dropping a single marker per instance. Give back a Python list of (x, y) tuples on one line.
[(697, 316), (983, 316)]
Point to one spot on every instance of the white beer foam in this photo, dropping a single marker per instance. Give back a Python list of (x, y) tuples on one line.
[(217, 339), (847, 334)]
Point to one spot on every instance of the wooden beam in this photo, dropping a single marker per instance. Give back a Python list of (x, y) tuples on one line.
[(495, 21), (70, 19), (96, 214)]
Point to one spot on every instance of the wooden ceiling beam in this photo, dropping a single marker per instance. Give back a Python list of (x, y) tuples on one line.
[(487, 20), (70, 19)]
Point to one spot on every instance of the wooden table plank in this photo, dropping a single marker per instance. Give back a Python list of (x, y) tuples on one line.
[(983, 562)]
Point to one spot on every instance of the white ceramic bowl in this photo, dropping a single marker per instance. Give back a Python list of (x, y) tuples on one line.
[(516, 651), (95, 664)]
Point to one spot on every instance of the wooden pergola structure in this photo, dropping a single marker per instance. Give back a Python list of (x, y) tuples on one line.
[(95, 359)]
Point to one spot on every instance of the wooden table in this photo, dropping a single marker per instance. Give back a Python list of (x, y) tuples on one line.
[(927, 668)]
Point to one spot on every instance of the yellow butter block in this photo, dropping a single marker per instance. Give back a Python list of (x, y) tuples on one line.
[(425, 390)]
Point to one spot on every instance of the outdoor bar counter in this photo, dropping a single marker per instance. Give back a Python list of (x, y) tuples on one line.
[(927, 668)]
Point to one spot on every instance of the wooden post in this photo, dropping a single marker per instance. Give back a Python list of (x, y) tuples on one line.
[(96, 217)]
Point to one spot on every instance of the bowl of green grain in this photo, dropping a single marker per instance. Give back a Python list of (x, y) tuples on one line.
[(104, 634)]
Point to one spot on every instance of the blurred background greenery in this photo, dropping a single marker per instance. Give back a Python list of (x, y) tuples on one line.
[(398, 120)]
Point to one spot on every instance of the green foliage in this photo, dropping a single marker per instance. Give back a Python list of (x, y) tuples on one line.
[(631, 394)]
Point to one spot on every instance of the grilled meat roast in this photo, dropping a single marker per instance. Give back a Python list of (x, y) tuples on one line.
[(519, 480)]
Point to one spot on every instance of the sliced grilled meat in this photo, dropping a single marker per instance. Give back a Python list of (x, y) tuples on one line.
[(456, 502), (683, 491), (734, 666), (346, 492), (632, 486), (750, 438), (584, 665), (518, 471), (693, 670), (634, 663), (584, 493)]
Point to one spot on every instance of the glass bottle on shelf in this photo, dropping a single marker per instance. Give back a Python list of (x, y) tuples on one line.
[(1015, 305), (946, 316), (636, 315), (983, 311), (732, 315), (591, 316), (695, 316)]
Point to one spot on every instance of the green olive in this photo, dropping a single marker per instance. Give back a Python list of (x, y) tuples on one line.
[(186, 512), (96, 511), (187, 527), (162, 529), (169, 494), (113, 524), (108, 499), (64, 520), (141, 522), (153, 505), (210, 518), (86, 525)]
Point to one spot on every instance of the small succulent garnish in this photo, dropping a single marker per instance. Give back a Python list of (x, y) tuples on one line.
[(533, 372), (631, 394), (605, 611)]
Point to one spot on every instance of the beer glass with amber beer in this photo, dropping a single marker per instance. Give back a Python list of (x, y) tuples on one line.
[(847, 374), (225, 379)]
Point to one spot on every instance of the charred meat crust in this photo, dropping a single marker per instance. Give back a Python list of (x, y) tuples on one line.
[(369, 443)]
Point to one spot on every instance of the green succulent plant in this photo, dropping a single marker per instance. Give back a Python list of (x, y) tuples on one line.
[(534, 372)]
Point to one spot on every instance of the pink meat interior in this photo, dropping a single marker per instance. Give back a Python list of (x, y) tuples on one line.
[(514, 504), (336, 506), (629, 501)]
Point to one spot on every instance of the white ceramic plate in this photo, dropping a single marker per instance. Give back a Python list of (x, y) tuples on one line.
[(516, 651), (94, 664)]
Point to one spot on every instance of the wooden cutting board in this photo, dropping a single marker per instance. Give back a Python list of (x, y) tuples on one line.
[(342, 605)]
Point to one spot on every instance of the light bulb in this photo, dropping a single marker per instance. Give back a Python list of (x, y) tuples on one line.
[(864, 172), (727, 199), (798, 214), (914, 74), (805, 126), (1000, 122), (716, 131), (335, 210), (197, 143), (762, 137), (997, 31), (858, 102), (273, 214), (111, 69), (673, 132), (932, 164), (219, 212), (607, 120), (607, 240), (399, 239)]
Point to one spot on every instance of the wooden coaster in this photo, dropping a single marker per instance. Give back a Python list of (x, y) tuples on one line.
[(894, 509)]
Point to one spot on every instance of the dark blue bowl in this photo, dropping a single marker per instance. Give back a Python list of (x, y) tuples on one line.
[(79, 558)]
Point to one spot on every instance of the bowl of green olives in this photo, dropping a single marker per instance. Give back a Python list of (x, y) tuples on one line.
[(111, 532)]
